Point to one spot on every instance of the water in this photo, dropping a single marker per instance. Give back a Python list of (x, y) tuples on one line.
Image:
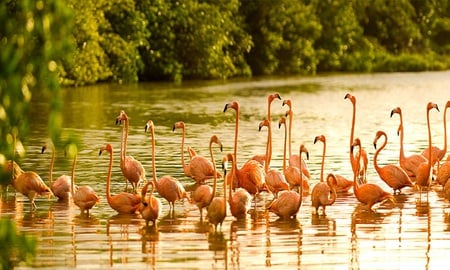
[(406, 234)]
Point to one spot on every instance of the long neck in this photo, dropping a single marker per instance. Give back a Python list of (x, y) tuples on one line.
[(444, 149), (72, 187), (323, 160), (236, 131), (375, 157), (268, 150), (352, 158), (155, 182), (123, 139), (301, 178), (269, 116), (284, 148), (52, 164), (230, 191), (429, 140), (108, 179), (402, 152), (291, 119), (215, 174)]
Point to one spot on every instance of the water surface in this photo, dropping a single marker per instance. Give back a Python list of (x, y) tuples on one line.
[(410, 233)]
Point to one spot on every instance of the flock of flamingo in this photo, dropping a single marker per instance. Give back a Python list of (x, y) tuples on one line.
[(242, 185)]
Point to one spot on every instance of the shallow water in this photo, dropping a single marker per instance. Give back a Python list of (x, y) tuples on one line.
[(409, 233)]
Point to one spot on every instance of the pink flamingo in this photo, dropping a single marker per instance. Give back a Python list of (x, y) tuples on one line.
[(29, 183), (293, 175), (131, 168), (393, 175), (275, 180), (200, 169), (364, 156), (444, 173), (251, 175), (412, 162), (203, 193), (295, 160), (61, 187), (84, 197), (167, 186), (240, 200), (124, 202), (288, 203), (367, 193), (438, 154), (323, 194), (217, 208), (423, 172), (150, 208)]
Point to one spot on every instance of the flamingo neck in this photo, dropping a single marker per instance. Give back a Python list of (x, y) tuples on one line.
[(323, 160), (352, 131), (291, 119), (155, 182), (268, 148), (444, 149), (233, 168), (375, 157), (215, 174), (429, 141), (108, 179), (72, 186), (284, 149), (236, 131), (402, 152)]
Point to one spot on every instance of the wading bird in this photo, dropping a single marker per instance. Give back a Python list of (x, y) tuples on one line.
[(394, 176), (150, 208), (131, 168), (203, 193), (61, 187), (167, 186), (29, 183), (124, 202), (323, 193), (367, 193), (364, 156)]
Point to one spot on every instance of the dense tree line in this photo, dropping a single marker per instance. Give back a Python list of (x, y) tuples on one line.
[(129, 40)]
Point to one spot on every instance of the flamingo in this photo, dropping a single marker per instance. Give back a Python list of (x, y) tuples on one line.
[(124, 202), (84, 197), (240, 200), (393, 175), (412, 162), (29, 183), (167, 186), (150, 208), (423, 172), (323, 194), (444, 173), (295, 160), (262, 158), (367, 193), (438, 154), (200, 169), (217, 208), (293, 175), (251, 175), (131, 168), (203, 194), (275, 180), (288, 203), (364, 156), (61, 187)]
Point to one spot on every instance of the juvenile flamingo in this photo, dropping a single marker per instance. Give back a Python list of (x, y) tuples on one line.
[(293, 175), (240, 200), (217, 208), (364, 156), (150, 208), (61, 187), (288, 203), (275, 180), (200, 168), (323, 193), (203, 193), (393, 175), (262, 158), (251, 175), (167, 186), (438, 154), (423, 172), (84, 197), (124, 202), (131, 168), (295, 160), (412, 162), (367, 193), (29, 184)]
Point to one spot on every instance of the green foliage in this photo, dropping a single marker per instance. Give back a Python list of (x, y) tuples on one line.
[(16, 247)]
